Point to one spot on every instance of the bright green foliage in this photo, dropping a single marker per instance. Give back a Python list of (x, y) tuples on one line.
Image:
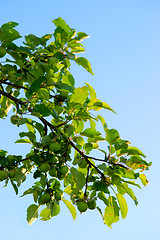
[(62, 129)]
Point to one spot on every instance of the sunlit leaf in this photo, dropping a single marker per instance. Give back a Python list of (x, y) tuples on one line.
[(123, 205), (70, 207)]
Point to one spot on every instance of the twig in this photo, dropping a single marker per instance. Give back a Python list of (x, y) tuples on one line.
[(85, 193)]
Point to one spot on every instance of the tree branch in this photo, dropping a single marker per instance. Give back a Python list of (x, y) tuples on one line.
[(85, 193)]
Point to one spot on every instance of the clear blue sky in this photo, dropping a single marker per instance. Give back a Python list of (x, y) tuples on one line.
[(124, 50)]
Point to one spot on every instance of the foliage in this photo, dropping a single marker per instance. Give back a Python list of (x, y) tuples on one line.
[(35, 82)]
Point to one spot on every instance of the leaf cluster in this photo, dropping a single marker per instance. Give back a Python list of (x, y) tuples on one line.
[(62, 130)]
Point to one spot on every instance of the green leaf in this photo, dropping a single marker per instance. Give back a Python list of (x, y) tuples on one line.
[(55, 209), (78, 177), (79, 95), (32, 213), (143, 179), (9, 25), (68, 190), (130, 174), (84, 63), (131, 182), (123, 205), (110, 216), (101, 186), (30, 135), (29, 191), (14, 187), (43, 93), (81, 36), (112, 136), (103, 122), (102, 197), (79, 125), (90, 132), (68, 79), (70, 207), (8, 34), (35, 85), (92, 92), (42, 109), (45, 214), (130, 192), (131, 151), (20, 176), (59, 22), (23, 141)]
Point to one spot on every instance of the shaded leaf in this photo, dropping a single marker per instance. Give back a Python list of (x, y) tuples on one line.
[(32, 213)]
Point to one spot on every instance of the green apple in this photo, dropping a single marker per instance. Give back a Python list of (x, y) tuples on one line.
[(57, 185), (44, 167), (64, 170), (91, 204), (12, 173), (45, 198), (54, 147), (82, 206), (53, 172), (3, 175), (57, 195), (83, 164)]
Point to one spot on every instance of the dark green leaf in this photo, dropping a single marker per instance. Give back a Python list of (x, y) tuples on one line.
[(36, 85)]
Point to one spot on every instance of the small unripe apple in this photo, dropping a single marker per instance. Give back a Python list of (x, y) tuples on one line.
[(57, 185), (55, 147), (53, 172), (44, 167), (3, 175), (45, 198), (64, 170), (12, 173), (58, 196), (91, 204), (83, 164), (82, 206)]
